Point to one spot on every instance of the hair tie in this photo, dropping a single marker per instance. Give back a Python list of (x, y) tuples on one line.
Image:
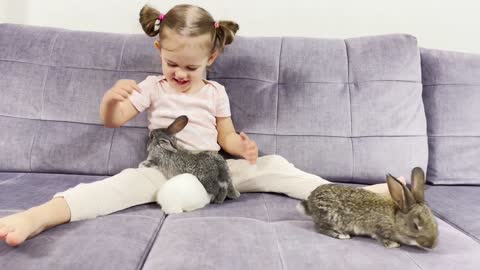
[(158, 21), (216, 25)]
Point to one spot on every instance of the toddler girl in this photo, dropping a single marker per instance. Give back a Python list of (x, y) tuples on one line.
[(189, 40)]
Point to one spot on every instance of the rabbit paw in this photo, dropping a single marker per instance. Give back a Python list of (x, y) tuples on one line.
[(390, 244), (343, 236)]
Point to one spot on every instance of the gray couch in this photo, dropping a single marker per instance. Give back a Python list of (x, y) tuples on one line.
[(348, 110)]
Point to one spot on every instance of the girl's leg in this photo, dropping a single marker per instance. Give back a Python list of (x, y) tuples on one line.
[(128, 188), (274, 173)]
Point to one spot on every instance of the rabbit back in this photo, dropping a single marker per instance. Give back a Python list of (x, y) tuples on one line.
[(349, 210)]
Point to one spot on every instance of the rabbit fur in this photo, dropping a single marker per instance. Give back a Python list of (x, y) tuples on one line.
[(182, 193), (209, 167), (403, 217)]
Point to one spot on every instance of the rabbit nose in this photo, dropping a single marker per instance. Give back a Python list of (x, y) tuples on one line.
[(427, 242)]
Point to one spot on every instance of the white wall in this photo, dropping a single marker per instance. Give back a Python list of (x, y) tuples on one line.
[(442, 24)]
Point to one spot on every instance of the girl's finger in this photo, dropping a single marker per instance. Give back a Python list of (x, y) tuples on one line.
[(117, 97), (124, 94), (127, 89)]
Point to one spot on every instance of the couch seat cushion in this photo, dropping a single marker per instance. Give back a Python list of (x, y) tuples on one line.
[(118, 241), (457, 205), (264, 231)]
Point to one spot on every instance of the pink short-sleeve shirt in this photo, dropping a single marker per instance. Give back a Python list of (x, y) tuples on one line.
[(164, 104)]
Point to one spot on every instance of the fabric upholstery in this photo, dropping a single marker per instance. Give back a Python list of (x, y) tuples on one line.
[(451, 94), (347, 110)]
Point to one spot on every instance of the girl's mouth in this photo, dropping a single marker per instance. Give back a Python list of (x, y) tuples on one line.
[(181, 82)]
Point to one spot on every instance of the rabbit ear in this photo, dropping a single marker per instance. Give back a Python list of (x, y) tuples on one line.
[(402, 197), (177, 125), (418, 184)]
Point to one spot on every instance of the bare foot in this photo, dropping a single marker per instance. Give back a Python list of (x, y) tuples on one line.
[(16, 228)]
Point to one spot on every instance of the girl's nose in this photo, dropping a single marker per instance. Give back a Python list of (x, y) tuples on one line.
[(179, 74)]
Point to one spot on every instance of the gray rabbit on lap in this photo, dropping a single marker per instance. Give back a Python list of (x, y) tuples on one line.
[(209, 167)]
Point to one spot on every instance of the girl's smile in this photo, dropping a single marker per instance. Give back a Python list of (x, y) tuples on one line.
[(181, 82)]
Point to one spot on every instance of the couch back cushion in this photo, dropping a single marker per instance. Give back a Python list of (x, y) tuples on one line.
[(452, 99), (52, 83), (348, 110)]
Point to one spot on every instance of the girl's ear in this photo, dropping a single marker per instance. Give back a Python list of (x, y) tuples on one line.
[(212, 58), (157, 45)]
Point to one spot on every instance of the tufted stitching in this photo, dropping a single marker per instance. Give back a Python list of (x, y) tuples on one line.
[(350, 102)]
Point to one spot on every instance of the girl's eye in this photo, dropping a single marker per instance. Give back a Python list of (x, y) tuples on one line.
[(192, 69), (171, 65)]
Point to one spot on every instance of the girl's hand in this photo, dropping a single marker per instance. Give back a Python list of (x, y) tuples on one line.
[(121, 90), (249, 148)]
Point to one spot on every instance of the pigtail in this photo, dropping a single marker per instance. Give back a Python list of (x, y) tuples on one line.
[(225, 34), (149, 19)]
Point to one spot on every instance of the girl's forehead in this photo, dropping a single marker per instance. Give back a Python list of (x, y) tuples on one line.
[(185, 49), (186, 55)]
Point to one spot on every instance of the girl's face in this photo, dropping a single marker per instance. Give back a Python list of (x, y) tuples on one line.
[(184, 61)]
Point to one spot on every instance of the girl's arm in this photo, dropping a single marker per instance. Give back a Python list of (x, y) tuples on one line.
[(233, 143), (116, 108)]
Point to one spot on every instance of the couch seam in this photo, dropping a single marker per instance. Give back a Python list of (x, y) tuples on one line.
[(66, 121), (319, 82), (40, 126), (256, 133), (149, 246), (278, 93), (216, 78), (173, 219), (44, 84), (454, 136), (440, 216), (282, 260), (121, 53), (73, 67), (452, 84), (350, 103), (20, 175), (411, 259)]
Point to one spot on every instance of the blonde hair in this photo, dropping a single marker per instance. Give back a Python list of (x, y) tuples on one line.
[(189, 21)]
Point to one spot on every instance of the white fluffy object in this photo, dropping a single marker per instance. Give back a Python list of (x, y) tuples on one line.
[(183, 192)]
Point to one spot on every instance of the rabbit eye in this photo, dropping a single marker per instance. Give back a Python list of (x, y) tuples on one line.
[(416, 224)]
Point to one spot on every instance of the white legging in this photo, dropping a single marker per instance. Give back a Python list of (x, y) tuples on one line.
[(137, 186)]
